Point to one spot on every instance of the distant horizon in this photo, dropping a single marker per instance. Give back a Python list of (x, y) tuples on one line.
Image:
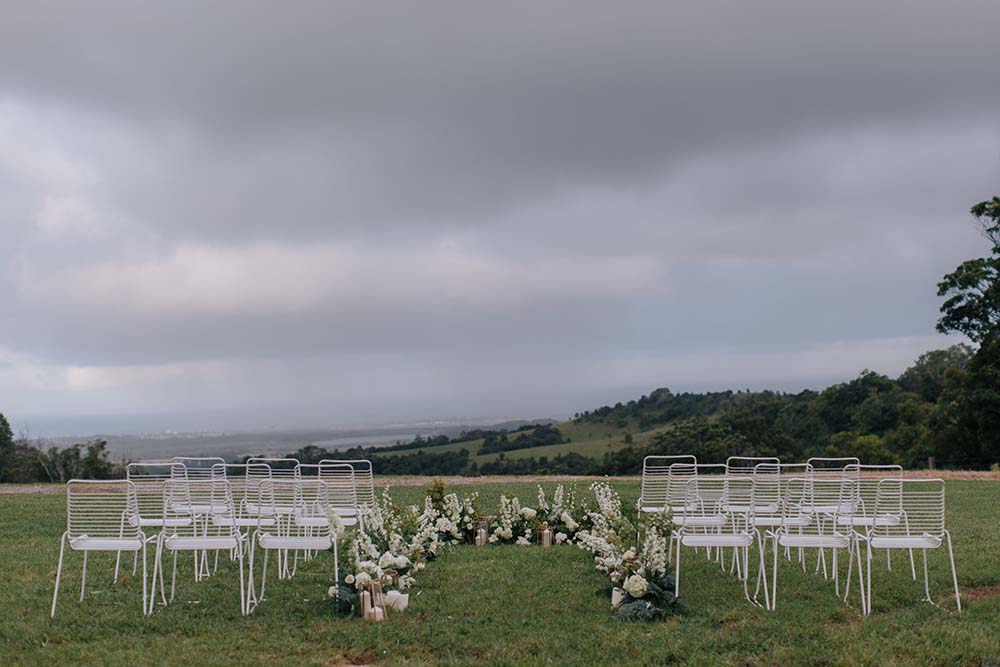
[(79, 426)]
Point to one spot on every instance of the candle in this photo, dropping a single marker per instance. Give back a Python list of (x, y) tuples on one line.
[(366, 604), (547, 537), (481, 537), (617, 595), (378, 614)]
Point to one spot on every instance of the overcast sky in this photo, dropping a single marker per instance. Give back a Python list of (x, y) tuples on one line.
[(295, 214)]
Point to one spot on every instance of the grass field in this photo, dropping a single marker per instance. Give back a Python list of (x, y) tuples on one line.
[(587, 439), (497, 606)]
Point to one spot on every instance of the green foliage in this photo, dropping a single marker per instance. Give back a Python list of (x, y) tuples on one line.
[(972, 291), (547, 434), (436, 492), (926, 376)]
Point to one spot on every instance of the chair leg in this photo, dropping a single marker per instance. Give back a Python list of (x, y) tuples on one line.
[(954, 573), (868, 559), (927, 583), (83, 582), (861, 581), (243, 596), (677, 571), (336, 565), (836, 573), (762, 571), (173, 579), (144, 589), (774, 577), (55, 593)]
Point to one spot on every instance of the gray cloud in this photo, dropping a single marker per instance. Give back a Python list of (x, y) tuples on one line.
[(192, 194)]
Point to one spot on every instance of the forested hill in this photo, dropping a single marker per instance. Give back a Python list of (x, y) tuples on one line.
[(907, 420)]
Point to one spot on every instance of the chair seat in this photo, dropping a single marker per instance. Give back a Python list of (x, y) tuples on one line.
[(243, 522), (268, 541), (177, 543), (768, 508), (924, 541), (87, 543), (819, 541), (651, 509), (175, 522), (765, 520), (312, 521), (724, 540), (710, 521), (869, 521)]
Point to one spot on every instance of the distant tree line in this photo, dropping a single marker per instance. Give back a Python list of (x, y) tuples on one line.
[(24, 461)]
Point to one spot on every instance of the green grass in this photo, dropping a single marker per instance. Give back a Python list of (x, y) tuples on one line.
[(586, 439), (497, 606)]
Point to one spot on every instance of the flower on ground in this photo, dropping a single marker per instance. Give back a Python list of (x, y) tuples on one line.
[(561, 537), (635, 586)]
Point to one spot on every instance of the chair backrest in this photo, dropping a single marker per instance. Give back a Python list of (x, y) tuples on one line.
[(242, 479), (834, 467), (918, 502), (865, 480), (147, 481), (364, 478), (197, 467), (744, 465), (813, 507), (97, 509), (192, 498), (280, 467), (766, 489), (288, 496), (682, 472), (706, 502), (655, 475), (341, 486)]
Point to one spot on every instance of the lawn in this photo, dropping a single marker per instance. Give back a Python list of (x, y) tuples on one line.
[(498, 606)]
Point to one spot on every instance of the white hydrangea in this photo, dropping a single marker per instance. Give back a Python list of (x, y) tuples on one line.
[(561, 537), (636, 586)]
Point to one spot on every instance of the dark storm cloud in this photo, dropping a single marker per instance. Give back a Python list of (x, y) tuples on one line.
[(449, 189)]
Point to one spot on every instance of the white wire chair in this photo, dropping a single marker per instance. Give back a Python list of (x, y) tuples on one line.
[(94, 511), (310, 529), (184, 498), (147, 509), (921, 504), (865, 482), (653, 493), (807, 522), (704, 521)]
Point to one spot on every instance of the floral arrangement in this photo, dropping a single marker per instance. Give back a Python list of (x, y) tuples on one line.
[(397, 542), (642, 573), (559, 513)]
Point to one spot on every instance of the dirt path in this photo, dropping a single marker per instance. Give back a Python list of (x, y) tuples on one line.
[(981, 475)]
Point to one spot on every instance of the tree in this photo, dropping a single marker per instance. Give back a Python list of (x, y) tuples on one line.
[(926, 376), (972, 291), (6, 449)]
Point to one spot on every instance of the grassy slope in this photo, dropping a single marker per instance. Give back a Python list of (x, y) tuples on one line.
[(588, 439), (498, 605)]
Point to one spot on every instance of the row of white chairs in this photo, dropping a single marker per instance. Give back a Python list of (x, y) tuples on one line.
[(203, 505), (824, 504)]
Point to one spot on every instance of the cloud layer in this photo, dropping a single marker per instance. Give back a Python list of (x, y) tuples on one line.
[(334, 212)]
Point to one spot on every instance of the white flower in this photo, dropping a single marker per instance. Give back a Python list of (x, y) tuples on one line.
[(362, 579), (568, 521), (635, 586), (523, 541), (331, 592), (349, 579), (528, 513), (561, 537)]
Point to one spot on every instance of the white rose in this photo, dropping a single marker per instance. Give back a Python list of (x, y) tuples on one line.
[(331, 592), (528, 513), (561, 537), (635, 586), (349, 579), (362, 579)]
